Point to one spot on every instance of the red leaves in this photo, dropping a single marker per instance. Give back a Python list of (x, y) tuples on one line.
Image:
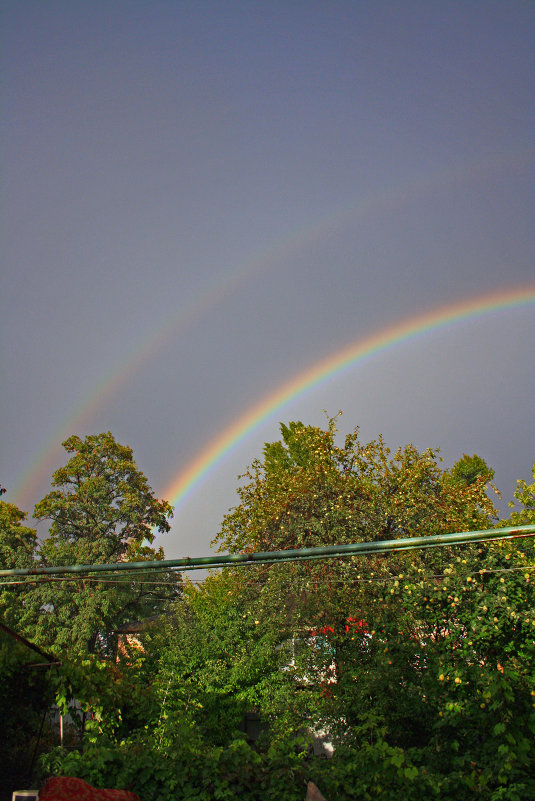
[(352, 624)]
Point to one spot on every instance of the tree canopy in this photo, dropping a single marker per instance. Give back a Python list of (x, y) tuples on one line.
[(417, 666), (18, 545), (307, 490), (524, 497), (102, 511)]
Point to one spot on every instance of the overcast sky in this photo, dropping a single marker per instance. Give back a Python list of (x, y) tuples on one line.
[(202, 200)]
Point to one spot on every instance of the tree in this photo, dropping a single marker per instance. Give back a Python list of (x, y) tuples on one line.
[(426, 657), (448, 671), (17, 541), (217, 661), (525, 496), (103, 511), (470, 469), (308, 490), (418, 664), (17, 549)]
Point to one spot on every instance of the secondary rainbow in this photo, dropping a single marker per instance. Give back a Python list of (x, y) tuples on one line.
[(347, 358), (374, 205)]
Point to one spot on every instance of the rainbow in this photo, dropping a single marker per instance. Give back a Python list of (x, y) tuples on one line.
[(333, 366), (381, 201)]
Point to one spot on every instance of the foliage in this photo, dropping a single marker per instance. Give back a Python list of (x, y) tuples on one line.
[(17, 542), (193, 774), (417, 665), (525, 496), (218, 661), (17, 549), (114, 700), (376, 770), (309, 491), (423, 613), (469, 470), (104, 502), (25, 696), (103, 511)]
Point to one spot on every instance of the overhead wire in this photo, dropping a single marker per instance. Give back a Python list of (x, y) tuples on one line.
[(304, 581), (370, 548)]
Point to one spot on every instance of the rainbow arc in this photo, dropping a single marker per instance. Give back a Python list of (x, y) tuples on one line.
[(348, 358)]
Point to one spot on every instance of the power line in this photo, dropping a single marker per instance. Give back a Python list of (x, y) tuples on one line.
[(304, 582), (290, 555)]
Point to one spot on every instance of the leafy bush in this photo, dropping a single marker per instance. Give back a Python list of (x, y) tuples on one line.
[(213, 774)]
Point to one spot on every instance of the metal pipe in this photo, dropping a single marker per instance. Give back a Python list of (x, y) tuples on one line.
[(290, 555), (27, 643)]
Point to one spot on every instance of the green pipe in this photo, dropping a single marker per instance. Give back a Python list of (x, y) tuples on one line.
[(291, 555)]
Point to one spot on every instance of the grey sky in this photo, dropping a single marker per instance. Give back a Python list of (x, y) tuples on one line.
[(267, 182)]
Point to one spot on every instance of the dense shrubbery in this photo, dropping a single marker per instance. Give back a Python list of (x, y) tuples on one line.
[(419, 667), (25, 696), (236, 771)]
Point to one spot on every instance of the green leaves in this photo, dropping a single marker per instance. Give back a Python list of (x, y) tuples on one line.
[(18, 546), (17, 541), (417, 666), (525, 496), (102, 511), (449, 642), (309, 491), (103, 493)]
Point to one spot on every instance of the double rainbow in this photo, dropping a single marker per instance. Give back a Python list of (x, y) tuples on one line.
[(374, 205)]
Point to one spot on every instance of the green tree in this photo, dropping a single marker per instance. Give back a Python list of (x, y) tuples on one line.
[(308, 490), (422, 658), (103, 511), (17, 541), (470, 469), (448, 671), (217, 662), (17, 549), (419, 665), (525, 497)]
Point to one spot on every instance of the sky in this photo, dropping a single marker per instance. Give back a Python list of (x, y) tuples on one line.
[(202, 202)]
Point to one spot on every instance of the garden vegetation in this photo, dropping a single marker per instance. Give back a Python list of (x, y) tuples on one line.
[(416, 669)]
